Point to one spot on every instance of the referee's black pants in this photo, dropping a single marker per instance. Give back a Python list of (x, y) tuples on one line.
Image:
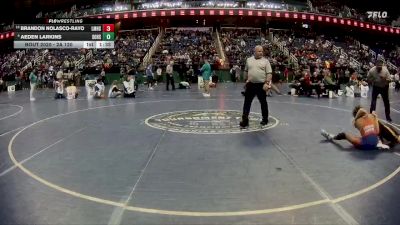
[(252, 90), (384, 92)]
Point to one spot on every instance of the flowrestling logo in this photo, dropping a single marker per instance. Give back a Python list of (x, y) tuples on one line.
[(207, 122), (377, 14)]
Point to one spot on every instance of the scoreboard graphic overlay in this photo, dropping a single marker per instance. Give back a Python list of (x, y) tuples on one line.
[(65, 33)]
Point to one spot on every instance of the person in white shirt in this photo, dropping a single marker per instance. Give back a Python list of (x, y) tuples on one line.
[(243, 43), (114, 90), (59, 85), (159, 74), (236, 71), (66, 64), (103, 76), (129, 87), (72, 91), (258, 76), (33, 81), (99, 89), (59, 74)]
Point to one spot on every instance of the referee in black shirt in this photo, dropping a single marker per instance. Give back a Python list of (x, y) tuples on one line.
[(379, 77)]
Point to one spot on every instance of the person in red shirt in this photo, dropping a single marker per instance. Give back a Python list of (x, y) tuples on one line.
[(286, 74), (306, 84)]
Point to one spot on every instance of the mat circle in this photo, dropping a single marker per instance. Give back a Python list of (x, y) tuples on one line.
[(208, 122), (19, 164)]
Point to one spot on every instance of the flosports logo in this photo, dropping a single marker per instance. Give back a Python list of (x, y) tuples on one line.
[(207, 122), (377, 14)]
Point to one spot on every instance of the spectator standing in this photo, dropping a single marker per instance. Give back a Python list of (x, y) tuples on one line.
[(159, 74), (59, 74), (170, 76), (190, 75), (33, 80), (206, 74), (150, 76), (103, 76), (236, 70)]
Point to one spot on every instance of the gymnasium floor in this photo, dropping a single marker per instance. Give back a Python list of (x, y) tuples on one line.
[(179, 158)]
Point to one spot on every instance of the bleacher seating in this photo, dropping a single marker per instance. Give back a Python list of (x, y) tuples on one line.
[(186, 47)]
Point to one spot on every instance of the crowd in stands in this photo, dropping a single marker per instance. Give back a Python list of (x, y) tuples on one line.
[(394, 56), (344, 52), (321, 58), (132, 46), (239, 43), (389, 50), (69, 64), (320, 70), (327, 62), (338, 9), (186, 49)]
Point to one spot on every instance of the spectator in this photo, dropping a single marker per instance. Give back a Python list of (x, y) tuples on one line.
[(59, 86), (150, 76), (206, 74), (190, 77), (103, 76), (329, 84), (236, 71), (72, 91), (316, 81), (99, 89), (33, 80), (129, 87), (114, 90), (170, 76), (159, 74), (306, 84), (60, 74)]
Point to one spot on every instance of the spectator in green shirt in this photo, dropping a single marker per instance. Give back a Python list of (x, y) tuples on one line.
[(329, 84), (206, 74), (33, 81)]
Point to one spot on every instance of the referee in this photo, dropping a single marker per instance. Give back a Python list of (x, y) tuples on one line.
[(379, 77), (258, 75)]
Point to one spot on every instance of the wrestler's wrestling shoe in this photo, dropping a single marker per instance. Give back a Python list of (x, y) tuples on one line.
[(382, 146), (327, 135)]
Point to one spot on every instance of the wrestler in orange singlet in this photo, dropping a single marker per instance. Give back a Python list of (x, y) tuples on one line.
[(368, 126)]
